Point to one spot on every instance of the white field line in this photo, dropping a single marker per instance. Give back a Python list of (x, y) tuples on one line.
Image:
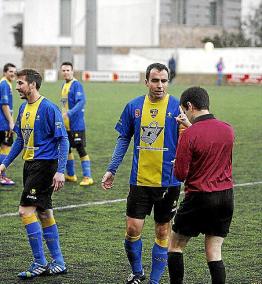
[(112, 201)]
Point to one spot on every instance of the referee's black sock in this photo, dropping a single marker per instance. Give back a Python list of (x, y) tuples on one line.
[(176, 267), (217, 271)]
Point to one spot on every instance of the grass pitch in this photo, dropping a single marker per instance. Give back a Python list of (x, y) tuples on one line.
[(92, 235)]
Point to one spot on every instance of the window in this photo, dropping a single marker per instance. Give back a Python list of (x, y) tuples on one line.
[(213, 13), (65, 17)]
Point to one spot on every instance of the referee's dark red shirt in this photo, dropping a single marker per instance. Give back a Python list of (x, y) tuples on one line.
[(204, 155)]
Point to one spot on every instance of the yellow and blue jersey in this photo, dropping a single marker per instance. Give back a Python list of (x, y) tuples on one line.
[(73, 103), (6, 98), (41, 126), (155, 132)]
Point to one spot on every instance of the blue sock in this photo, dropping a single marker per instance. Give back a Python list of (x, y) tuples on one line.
[(51, 237), (134, 255), (70, 167), (34, 234), (86, 167), (159, 263)]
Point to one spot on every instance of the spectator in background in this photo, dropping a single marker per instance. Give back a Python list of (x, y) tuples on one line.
[(204, 163), (73, 109), (172, 68), (220, 67), (6, 116)]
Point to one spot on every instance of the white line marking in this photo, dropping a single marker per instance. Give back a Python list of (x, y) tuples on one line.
[(112, 201)]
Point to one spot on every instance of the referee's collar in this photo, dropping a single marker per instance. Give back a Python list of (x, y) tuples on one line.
[(203, 117)]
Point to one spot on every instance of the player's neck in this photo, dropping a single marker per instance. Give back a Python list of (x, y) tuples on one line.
[(33, 97)]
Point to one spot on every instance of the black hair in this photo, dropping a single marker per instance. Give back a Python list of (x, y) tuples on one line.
[(197, 96), (157, 66), (31, 76), (67, 63), (7, 65)]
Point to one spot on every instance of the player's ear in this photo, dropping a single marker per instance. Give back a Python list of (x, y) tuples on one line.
[(189, 106)]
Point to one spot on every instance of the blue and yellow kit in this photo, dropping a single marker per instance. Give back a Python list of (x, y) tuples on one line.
[(6, 98), (35, 125), (73, 103), (155, 132)]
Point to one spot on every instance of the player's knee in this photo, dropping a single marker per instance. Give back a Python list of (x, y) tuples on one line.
[(81, 151), (132, 230)]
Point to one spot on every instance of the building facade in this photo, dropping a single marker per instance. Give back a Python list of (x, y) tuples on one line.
[(60, 34)]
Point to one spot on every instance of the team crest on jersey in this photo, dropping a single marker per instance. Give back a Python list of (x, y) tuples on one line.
[(33, 191), (27, 115), (153, 112), (137, 112), (151, 132), (26, 132)]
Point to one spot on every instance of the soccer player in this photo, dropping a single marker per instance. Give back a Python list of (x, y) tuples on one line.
[(6, 116), (204, 163), (151, 120), (73, 108), (42, 137)]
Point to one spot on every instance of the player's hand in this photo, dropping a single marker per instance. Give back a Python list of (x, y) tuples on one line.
[(182, 118), (107, 180), (2, 169), (58, 181)]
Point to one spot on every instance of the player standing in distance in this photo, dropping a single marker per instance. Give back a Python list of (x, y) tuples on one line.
[(42, 137), (220, 67), (73, 109), (151, 120), (204, 163), (172, 68), (6, 116)]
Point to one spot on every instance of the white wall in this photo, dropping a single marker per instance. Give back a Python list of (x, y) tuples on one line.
[(189, 60), (128, 22), (10, 15), (41, 23), (119, 23)]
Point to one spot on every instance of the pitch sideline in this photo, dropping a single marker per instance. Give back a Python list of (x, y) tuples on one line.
[(111, 201)]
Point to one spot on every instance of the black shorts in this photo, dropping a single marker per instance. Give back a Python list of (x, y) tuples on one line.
[(141, 200), (77, 138), (6, 139), (209, 213), (37, 178)]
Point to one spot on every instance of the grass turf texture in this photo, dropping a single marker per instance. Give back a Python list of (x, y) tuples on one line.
[(92, 236)]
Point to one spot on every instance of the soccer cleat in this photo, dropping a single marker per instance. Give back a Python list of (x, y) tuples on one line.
[(86, 181), (135, 278), (6, 181), (71, 178), (55, 268), (34, 270)]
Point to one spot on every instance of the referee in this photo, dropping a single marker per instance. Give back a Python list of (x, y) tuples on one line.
[(204, 163)]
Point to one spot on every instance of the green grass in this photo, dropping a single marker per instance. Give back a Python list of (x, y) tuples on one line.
[(92, 236)]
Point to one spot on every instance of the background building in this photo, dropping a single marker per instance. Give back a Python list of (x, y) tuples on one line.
[(11, 13), (50, 38)]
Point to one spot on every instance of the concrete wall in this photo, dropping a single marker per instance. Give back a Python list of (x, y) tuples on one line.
[(10, 15)]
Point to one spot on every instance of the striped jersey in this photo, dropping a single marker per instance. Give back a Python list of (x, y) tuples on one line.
[(40, 124), (155, 132), (6, 98)]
